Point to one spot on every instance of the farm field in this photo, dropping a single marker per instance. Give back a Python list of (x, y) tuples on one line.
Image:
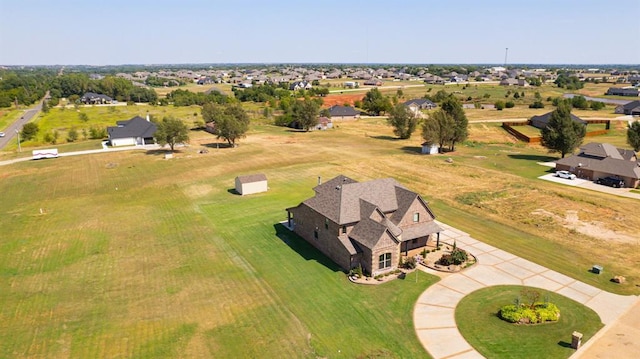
[(127, 254)]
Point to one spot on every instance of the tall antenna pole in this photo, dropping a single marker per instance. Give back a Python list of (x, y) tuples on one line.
[(506, 51)]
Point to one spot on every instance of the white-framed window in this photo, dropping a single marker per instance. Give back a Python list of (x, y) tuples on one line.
[(384, 261), (416, 217)]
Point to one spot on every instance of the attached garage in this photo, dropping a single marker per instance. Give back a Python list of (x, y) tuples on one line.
[(250, 184)]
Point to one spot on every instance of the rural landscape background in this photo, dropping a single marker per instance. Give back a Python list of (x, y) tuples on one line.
[(131, 254)]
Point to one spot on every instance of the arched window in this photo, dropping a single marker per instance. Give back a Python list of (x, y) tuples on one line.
[(384, 261)]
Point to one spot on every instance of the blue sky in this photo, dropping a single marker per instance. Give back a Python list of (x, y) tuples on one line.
[(348, 31)]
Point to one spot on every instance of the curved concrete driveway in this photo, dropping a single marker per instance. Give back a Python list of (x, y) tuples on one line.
[(433, 314)]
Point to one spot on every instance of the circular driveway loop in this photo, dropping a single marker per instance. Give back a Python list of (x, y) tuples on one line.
[(433, 314)]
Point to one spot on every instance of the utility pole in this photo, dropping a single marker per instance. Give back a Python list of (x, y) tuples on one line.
[(18, 134), (506, 51)]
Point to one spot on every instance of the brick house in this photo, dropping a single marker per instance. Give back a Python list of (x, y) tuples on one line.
[(597, 160), (365, 223)]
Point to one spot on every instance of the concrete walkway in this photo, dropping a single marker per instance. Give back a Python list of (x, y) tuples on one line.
[(433, 314)]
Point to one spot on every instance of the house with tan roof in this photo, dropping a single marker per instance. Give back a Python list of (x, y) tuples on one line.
[(372, 224), (598, 160)]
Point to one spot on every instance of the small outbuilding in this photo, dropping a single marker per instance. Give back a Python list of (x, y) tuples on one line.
[(250, 184), (429, 148)]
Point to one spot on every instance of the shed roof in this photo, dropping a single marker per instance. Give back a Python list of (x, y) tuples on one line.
[(258, 177)]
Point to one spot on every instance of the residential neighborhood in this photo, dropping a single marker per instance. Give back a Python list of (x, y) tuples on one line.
[(296, 179)]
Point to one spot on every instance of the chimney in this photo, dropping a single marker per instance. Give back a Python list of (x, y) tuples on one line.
[(319, 180), (148, 119)]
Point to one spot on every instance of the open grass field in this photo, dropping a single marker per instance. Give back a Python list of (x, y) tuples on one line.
[(8, 116), (477, 320), (130, 255)]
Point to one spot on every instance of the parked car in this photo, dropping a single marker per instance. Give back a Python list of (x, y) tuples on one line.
[(611, 182), (1, 134), (565, 174)]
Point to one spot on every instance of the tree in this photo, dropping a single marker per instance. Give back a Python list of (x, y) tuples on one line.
[(83, 117), (509, 104), (633, 135), (375, 102), (499, 105), (453, 107), (562, 134), (45, 106), (29, 131), (438, 128), (403, 120), (231, 121), (171, 131), (579, 102), (306, 113), (72, 135)]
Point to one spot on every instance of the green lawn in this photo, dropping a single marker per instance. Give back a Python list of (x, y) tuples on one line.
[(126, 254), (129, 261), (8, 116), (477, 320)]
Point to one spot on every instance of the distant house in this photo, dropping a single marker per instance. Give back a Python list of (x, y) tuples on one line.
[(623, 91), (597, 160), (351, 84), (205, 81), (134, 132), (343, 112), (418, 104), (488, 106), (370, 224), (373, 82), (468, 106), (631, 108), (324, 123), (92, 98), (433, 79), (250, 184), (300, 85), (542, 121), (429, 148), (514, 82)]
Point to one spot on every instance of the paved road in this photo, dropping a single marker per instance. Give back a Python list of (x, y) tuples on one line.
[(598, 99), (10, 131), (587, 184), (434, 312)]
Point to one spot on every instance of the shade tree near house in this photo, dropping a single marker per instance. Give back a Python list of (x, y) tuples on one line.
[(633, 135), (305, 113), (562, 134), (171, 131), (438, 128), (231, 121), (403, 120), (453, 107), (376, 103)]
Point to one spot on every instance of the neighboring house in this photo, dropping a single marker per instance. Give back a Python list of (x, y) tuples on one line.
[(598, 160), (351, 84), (429, 148), (418, 104), (543, 120), (343, 112), (624, 91), (373, 82), (371, 224), (250, 184), (514, 82), (300, 85), (433, 79), (92, 98), (134, 132), (324, 123), (631, 108)]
